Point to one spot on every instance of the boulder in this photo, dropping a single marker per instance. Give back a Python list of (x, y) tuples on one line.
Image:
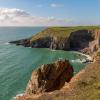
[(50, 77)]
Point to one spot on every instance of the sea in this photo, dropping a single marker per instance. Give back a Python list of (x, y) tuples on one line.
[(18, 62)]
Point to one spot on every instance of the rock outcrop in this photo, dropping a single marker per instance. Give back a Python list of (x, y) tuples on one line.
[(44, 42), (24, 42), (49, 77)]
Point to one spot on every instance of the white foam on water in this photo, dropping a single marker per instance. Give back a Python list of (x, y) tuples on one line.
[(6, 43), (87, 59), (18, 95), (60, 58), (79, 60)]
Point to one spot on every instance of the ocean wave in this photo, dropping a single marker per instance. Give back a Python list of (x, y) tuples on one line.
[(7, 43), (88, 57), (4, 43), (18, 95), (79, 61)]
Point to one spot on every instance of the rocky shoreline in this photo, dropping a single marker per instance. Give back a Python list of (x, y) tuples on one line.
[(46, 78)]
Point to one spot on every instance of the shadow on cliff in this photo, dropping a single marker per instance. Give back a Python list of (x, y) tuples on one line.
[(80, 39)]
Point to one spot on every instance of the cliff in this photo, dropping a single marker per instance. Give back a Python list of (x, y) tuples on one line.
[(48, 79), (83, 39), (83, 86)]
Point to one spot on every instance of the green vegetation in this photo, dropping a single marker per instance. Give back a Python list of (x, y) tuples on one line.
[(61, 32)]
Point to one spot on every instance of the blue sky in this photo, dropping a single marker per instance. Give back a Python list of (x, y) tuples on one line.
[(49, 12)]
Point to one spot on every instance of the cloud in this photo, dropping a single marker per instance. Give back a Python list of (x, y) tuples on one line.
[(17, 17), (56, 5)]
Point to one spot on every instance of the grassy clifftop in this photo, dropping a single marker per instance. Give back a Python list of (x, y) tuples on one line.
[(80, 38), (61, 32), (84, 86)]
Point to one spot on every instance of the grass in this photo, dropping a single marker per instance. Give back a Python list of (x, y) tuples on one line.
[(61, 32)]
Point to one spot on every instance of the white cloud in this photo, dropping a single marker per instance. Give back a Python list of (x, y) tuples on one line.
[(17, 17), (56, 5)]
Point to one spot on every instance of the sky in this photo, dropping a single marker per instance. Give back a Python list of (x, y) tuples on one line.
[(49, 12)]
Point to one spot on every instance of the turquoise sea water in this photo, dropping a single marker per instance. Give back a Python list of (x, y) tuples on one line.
[(17, 62)]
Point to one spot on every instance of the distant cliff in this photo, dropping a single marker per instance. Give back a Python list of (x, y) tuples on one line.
[(83, 39)]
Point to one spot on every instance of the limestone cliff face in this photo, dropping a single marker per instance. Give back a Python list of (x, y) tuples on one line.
[(60, 44), (50, 42)]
